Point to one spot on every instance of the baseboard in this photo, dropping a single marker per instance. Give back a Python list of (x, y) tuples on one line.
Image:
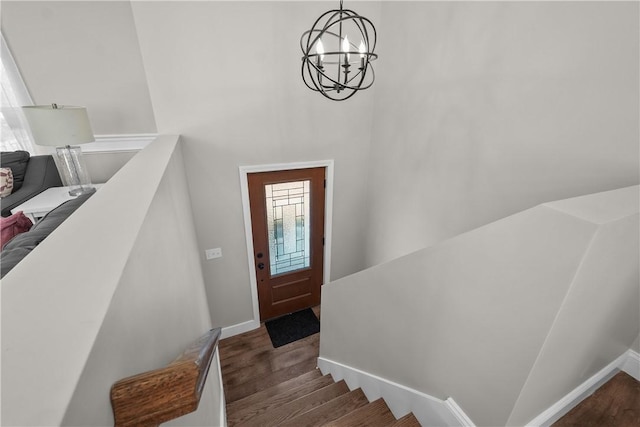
[(628, 362), (456, 410), (632, 364), (400, 399), (239, 328)]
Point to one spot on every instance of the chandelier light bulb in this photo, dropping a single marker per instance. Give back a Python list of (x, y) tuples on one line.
[(362, 49), (320, 49), (345, 47)]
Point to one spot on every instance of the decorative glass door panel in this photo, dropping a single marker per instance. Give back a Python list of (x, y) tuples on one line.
[(288, 225), (287, 220)]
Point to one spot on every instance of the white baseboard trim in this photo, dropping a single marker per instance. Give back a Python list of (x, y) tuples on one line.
[(632, 364), (239, 328), (457, 412), (629, 362), (400, 399)]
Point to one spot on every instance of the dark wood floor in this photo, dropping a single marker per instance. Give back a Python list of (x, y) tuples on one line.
[(615, 404), (281, 387), (250, 363)]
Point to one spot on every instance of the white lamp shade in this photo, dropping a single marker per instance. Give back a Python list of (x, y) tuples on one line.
[(64, 125)]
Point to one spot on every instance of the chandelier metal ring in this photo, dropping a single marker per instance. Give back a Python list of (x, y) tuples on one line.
[(328, 72)]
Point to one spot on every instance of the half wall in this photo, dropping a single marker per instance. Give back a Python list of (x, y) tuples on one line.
[(505, 319), (116, 290)]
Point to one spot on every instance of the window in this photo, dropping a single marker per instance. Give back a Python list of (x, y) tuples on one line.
[(288, 225), (14, 131)]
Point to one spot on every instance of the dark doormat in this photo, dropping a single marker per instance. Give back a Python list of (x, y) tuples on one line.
[(292, 327)]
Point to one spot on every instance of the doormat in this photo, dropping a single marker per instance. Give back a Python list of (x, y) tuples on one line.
[(292, 327)]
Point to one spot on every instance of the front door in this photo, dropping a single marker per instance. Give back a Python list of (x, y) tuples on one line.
[(287, 218)]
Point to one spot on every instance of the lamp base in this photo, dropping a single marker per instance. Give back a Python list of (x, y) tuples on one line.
[(73, 170), (85, 189)]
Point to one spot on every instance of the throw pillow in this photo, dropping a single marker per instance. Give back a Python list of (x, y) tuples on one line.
[(17, 162), (6, 182), (12, 226)]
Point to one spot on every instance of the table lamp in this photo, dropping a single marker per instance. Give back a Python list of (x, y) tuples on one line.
[(63, 126)]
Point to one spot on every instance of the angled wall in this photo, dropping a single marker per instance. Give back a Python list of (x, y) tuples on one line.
[(600, 313), (487, 316), (82, 53)]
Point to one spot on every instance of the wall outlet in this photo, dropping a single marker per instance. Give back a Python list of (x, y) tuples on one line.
[(213, 253)]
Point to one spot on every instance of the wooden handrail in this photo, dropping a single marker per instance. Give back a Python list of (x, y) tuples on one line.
[(158, 396)]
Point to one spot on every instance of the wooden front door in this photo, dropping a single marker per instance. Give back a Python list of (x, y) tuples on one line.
[(287, 218)]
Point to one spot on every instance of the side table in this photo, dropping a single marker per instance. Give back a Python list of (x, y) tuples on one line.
[(38, 206)]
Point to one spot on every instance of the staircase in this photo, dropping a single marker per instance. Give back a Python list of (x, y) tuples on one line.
[(312, 399), (266, 386)]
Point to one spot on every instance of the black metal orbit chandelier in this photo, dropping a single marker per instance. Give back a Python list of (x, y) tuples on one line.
[(338, 73)]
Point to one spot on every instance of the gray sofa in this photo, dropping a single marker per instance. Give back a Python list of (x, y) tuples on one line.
[(20, 246), (31, 176)]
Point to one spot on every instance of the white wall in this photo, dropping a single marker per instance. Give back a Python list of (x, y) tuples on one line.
[(82, 53), (479, 110), (505, 319), (226, 76), (484, 109), (102, 166), (114, 291)]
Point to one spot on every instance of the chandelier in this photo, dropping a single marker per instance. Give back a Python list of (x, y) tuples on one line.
[(331, 63)]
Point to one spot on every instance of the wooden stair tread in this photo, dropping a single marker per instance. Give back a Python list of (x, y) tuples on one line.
[(276, 416), (273, 390), (254, 385), (266, 386), (281, 358), (329, 411), (375, 414), (278, 395), (408, 420)]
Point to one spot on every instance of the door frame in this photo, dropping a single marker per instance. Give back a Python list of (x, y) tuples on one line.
[(328, 214)]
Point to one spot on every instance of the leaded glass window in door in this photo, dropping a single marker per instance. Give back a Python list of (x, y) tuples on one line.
[(288, 225)]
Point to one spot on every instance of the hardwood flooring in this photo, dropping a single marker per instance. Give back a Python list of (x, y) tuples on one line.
[(251, 364), (266, 386), (615, 404)]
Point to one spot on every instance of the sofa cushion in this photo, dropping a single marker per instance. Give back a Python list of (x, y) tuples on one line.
[(17, 162), (47, 224), (20, 246), (6, 182)]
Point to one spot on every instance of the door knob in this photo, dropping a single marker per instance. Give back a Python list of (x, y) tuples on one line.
[(261, 265)]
